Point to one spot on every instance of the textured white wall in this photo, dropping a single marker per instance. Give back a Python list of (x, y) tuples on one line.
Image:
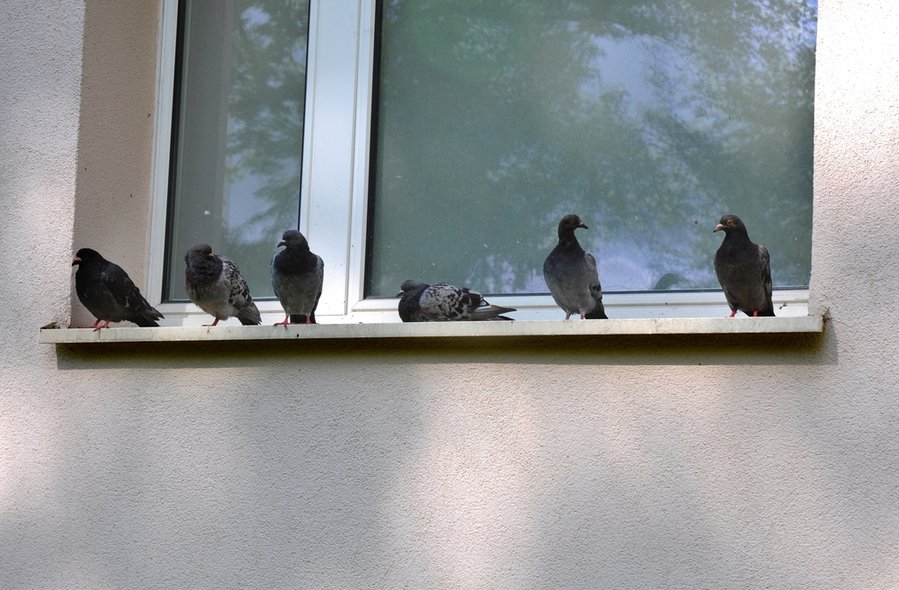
[(633, 463)]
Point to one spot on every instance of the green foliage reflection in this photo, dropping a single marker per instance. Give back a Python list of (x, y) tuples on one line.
[(648, 119)]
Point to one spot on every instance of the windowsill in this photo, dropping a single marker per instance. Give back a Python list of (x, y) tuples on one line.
[(654, 305), (446, 330)]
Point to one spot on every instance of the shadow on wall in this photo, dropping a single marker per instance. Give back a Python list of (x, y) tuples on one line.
[(744, 349), (444, 465), (241, 476)]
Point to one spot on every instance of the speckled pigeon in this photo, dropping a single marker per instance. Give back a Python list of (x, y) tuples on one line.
[(215, 285), (743, 269), (297, 278), (571, 274), (108, 292), (443, 302)]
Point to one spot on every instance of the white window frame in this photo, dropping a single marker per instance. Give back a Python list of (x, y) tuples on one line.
[(335, 184)]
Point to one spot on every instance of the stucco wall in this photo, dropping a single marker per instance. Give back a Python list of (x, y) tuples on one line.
[(631, 463)]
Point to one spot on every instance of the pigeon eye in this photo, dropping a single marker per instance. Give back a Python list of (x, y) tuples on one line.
[(730, 222)]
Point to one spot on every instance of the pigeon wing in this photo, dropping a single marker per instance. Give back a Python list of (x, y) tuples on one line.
[(480, 310), (239, 296), (598, 312), (443, 302), (320, 281), (134, 307), (765, 307), (94, 291)]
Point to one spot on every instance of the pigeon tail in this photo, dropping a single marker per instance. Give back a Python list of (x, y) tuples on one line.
[(599, 313), (249, 314), (490, 312), (299, 318), (145, 322)]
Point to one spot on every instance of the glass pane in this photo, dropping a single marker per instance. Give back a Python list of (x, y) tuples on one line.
[(648, 119), (239, 133)]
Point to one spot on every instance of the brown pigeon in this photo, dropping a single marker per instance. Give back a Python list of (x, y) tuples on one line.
[(743, 269)]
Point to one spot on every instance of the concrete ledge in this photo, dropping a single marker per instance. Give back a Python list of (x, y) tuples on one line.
[(517, 329)]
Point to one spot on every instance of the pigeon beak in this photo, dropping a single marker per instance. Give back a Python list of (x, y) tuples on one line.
[(76, 261), (718, 227), (583, 226), (281, 243)]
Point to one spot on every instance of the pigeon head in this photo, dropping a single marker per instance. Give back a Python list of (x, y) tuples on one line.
[(294, 239), (568, 224), (199, 251), (86, 255), (202, 264), (411, 285), (730, 224)]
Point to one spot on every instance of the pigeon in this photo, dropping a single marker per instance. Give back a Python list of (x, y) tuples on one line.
[(743, 269), (297, 279), (215, 285), (108, 292), (571, 275), (443, 302)]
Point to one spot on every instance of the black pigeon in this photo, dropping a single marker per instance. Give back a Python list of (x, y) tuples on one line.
[(445, 303), (297, 275), (215, 285), (571, 274), (108, 292), (743, 269)]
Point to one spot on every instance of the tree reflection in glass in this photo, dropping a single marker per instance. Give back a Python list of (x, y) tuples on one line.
[(648, 119)]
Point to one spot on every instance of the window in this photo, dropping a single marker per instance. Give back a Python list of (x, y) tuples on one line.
[(238, 132), (478, 124), (648, 119)]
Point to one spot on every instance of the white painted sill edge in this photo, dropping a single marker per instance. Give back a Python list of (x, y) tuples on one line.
[(499, 329)]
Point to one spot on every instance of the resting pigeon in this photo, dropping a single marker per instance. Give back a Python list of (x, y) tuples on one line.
[(108, 292), (297, 278), (743, 269), (445, 303), (215, 285), (571, 275)]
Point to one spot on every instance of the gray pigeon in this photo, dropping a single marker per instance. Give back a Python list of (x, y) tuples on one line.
[(743, 269), (108, 292), (297, 278), (571, 275), (215, 285), (445, 303)]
